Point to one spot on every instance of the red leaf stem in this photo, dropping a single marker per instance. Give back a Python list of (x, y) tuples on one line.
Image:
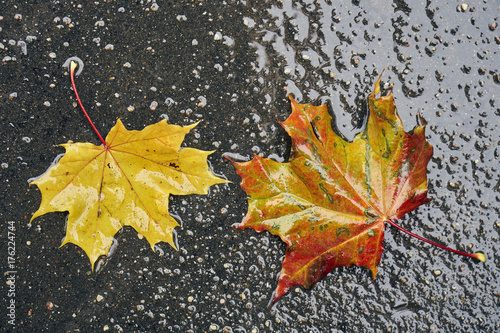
[(72, 68), (479, 256)]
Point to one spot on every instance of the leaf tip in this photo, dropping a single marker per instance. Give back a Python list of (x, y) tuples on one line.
[(421, 120), (190, 127), (228, 158), (240, 226), (273, 301), (293, 101), (373, 269), (376, 89)]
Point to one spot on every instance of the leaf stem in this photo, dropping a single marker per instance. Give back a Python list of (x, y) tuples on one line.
[(479, 256), (72, 68)]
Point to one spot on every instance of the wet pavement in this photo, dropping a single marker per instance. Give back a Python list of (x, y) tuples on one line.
[(230, 65)]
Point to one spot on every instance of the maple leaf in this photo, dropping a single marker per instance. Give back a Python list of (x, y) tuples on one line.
[(125, 182), (330, 202)]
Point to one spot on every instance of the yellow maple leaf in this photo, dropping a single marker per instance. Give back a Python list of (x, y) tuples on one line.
[(126, 182)]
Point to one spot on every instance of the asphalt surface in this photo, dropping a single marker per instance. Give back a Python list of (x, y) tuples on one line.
[(230, 65)]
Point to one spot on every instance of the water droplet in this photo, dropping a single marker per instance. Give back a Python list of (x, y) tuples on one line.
[(153, 105)]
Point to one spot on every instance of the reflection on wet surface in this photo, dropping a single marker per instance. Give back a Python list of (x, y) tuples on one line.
[(231, 66)]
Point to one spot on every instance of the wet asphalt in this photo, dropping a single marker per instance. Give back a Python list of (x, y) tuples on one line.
[(230, 65)]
